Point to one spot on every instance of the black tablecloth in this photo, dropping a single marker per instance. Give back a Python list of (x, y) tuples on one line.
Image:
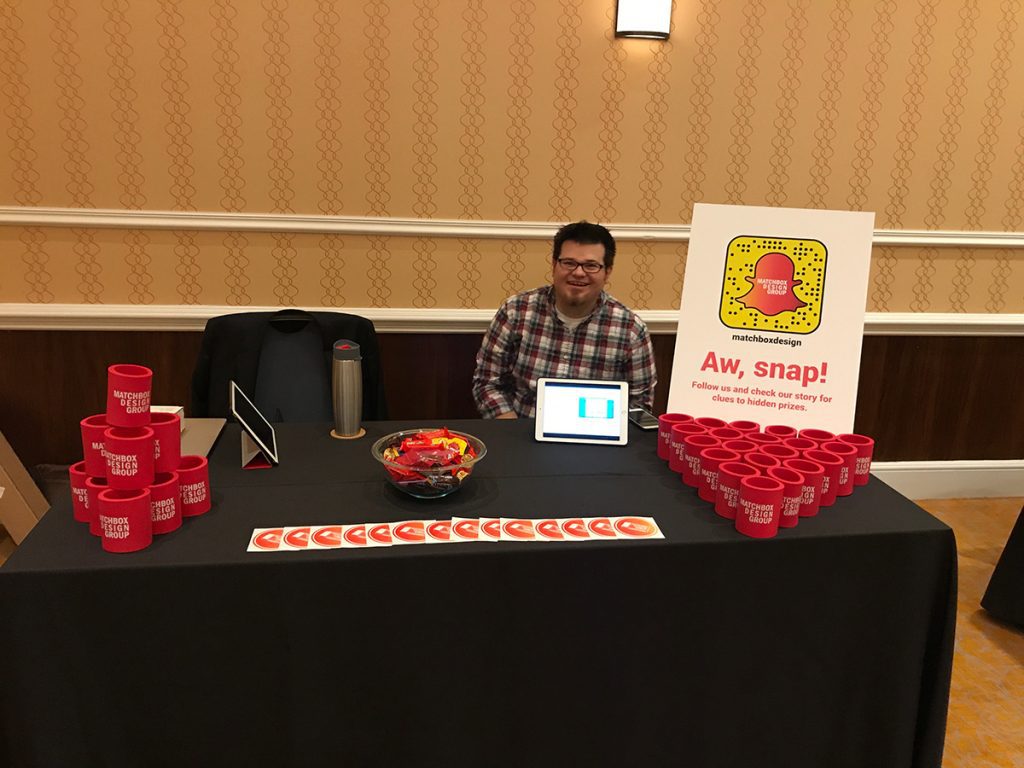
[(1004, 597), (830, 645)]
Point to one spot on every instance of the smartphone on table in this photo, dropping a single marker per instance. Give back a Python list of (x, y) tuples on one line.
[(642, 418)]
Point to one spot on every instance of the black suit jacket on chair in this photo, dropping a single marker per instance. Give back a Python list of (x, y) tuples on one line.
[(231, 350)]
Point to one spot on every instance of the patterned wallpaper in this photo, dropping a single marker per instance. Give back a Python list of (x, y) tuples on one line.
[(518, 111)]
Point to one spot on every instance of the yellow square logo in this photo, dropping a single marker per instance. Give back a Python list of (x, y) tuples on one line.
[(773, 284)]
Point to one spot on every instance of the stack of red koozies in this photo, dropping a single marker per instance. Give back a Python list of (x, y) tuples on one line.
[(763, 479), (133, 481)]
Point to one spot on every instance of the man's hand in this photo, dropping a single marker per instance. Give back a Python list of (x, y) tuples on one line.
[(507, 415)]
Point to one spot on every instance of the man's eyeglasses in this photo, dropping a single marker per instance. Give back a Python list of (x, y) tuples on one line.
[(590, 267)]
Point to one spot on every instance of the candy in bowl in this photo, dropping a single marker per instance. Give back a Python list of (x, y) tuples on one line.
[(428, 463)]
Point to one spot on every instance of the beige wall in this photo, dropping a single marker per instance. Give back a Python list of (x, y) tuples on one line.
[(520, 111)]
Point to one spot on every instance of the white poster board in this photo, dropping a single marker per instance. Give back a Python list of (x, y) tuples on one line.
[(772, 316)]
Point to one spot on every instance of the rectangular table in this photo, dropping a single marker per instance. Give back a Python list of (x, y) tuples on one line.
[(1004, 597), (830, 645)]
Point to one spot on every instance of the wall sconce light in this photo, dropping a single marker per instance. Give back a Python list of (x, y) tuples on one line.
[(643, 18)]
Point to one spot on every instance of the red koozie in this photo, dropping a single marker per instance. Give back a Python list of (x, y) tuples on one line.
[(745, 426), (194, 478), (725, 433), (93, 452), (830, 483), (166, 441), (79, 493), (792, 493), (165, 502), (817, 435), (129, 457), (800, 444), (676, 454), (692, 446), (761, 438), (780, 451), (710, 422), (865, 449), (848, 453), (727, 496), (710, 459), (813, 474), (780, 430), (761, 461), (93, 486), (129, 391), (740, 446), (757, 514), (665, 422), (125, 520)]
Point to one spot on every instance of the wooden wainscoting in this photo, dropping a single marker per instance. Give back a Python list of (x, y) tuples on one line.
[(921, 397)]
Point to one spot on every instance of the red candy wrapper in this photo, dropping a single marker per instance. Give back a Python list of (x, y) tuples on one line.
[(428, 450)]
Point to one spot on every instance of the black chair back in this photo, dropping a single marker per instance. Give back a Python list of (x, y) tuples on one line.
[(282, 360)]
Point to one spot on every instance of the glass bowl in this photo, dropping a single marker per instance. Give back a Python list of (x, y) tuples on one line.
[(424, 482)]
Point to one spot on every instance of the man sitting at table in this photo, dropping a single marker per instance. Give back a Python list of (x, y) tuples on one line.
[(570, 329)]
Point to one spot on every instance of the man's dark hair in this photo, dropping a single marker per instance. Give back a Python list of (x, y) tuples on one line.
[(585, 233)]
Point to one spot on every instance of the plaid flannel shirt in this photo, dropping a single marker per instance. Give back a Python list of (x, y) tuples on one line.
[(527, 341)]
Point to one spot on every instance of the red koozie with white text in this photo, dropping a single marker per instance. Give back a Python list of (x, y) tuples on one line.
[(727, 495), (792, 493), (865, 448), (760, 505), (93, 450), (665, 424), (848, 453), (676, 449), (692, 446), (129, 393), (129, 455), (166, 441), (832, 465), (710, 460), (125, 520), (79, 493), (814, 475), (194, 478), (165, 502)]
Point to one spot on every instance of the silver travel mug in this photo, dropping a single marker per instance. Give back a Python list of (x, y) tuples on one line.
[(347, 390)]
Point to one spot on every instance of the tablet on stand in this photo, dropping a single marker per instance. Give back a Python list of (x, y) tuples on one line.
[(259, 443)]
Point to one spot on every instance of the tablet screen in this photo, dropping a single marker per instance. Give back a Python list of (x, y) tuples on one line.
[(252, 421), (578, 411)]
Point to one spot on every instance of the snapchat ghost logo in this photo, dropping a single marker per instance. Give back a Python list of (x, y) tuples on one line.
[(773, 284)]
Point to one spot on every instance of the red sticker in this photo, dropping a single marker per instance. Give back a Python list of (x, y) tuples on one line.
[(380, 533), (601, 526), (411, 533), (549, 529), (355, 535), (329, 536), (519, 529), (297, 537), (268, 539), (467, 529), (635, 526), (440, 529), (492, 528), (575, 528)]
